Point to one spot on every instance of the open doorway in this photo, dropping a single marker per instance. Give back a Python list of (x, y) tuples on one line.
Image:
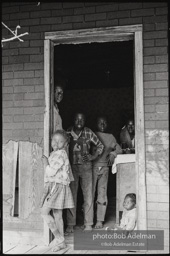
[(100, 83), (103, 35)]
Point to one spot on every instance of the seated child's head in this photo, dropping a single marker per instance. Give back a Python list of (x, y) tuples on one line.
[(101, 124), (59, 139), (129, 201)]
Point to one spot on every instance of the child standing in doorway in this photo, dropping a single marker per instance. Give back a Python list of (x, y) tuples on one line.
[(57, 194), (101, 168), (81, 140)]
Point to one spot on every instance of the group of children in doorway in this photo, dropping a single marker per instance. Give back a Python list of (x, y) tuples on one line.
[(81, 154)]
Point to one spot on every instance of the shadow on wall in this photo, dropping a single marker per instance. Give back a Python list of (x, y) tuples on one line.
[(158, 154)]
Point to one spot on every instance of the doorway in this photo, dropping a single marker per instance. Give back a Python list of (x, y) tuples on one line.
[(96, 86), (103, 35)]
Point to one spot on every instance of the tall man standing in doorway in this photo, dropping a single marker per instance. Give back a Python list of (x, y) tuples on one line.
[(81, 139), (59, 88)]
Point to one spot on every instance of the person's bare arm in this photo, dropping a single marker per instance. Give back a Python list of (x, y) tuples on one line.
[(89, 157), (99, 148)]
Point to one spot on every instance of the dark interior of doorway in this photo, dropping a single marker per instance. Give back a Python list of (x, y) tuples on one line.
[(99, 81)]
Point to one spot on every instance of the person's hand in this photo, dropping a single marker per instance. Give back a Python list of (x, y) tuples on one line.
[(87, 157), (128, 151), (45, 160), (123, 151), (110, 158), (132, 150)]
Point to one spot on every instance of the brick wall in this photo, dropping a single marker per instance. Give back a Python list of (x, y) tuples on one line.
[(23, 85)]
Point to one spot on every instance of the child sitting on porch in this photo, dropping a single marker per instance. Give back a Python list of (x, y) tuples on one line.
[(57, 194), (101, 168), (129, 217)]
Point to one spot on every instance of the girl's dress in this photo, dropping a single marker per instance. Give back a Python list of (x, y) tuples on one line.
[(58, 175)]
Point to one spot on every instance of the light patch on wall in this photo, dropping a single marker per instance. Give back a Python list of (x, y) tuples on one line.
[(158, 169), (158, 154)]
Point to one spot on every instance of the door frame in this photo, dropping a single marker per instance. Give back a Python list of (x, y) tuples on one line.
[(102, 35)]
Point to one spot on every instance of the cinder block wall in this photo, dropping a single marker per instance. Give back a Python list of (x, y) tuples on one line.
[(23, 84)]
